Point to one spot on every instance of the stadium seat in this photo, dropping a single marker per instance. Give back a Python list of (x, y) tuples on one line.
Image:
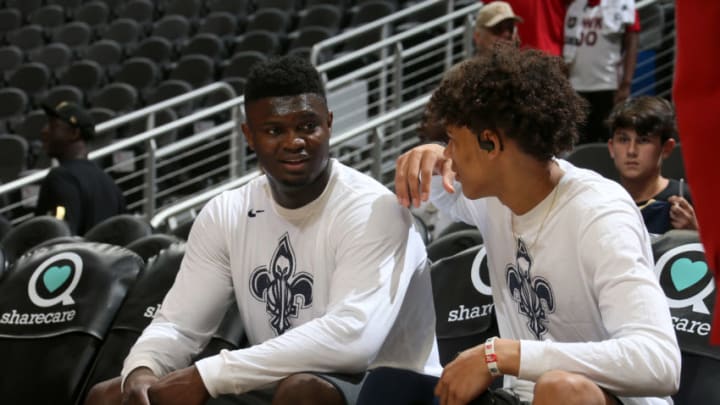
[(237, 83), (126, 32), (197, 70), (689, 286), (453, 243), (13, 103), (76, 35), (26, 7), (172, 88), (150, 245), (27, 37), (453, 227), (104, 138), (87, 75), (322, 15), (364, 13), (343, 4), (596, 157), (11, 57), (463, 302), (118, 97), (56, 56), (64, 92), (289, 5), (13, 157), (49, 17), (308, 36), (140, 11), (25, 236), (174, 28), (262, 41), (3, 262), (240, 64), (220, 23), (162, 117), (141, 73), (58, 304), (158, 49), (30, 130), (119, 230), (69, 5), (10, 19), (136, 312), (32, 78), (95, 14), (209, 45), (105, 52), (234, 7), (189, 9), (270, 19)]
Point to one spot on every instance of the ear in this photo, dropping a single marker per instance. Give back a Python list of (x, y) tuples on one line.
[(493, 138), (248, 135), (667, 148)]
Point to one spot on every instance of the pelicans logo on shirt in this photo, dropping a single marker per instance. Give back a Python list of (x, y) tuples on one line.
[(534, 295), (284, 290)]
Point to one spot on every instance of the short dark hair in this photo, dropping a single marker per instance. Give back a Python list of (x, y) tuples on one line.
[(523, 93), (647, 115), (284, 76)]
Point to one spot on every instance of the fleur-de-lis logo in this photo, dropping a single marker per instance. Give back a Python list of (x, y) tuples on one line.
[(533, 294), (283, 291)]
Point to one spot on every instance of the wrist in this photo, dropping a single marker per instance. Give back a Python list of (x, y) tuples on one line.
[(139, 376), (491, 358), (508, 355)]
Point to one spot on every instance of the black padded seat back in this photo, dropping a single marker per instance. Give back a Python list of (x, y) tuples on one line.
[(25, 236), (453, 243), (3, 264), (689, 286), (151, 245), (464, 309), (142, 303), (56, 306), (119, 230), (594, 156)]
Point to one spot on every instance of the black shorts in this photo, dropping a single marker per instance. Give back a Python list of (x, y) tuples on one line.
[(348, 384)]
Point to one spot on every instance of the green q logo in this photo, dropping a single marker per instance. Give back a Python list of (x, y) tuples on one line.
[(687, 277), (53, 274)]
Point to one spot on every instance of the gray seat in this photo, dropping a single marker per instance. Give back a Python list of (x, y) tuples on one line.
[(27, 37), (189, 9), (141, 73), (13, 103), (76, 35), (56, 56), (220, 23), (13, 155), (26, 235), (118, 97), (26, 7), (174, 28), (321, 15), (107, 53), (269, 19), (234, 7), (125, 31), (49, 17), (10, 19), (241, 63), (87, 75), (594, 156), (95, 14), (206, 44), (198, 70), (140, 11), (119, 230), (262, 41), (32, 78), (11, 57), (64, 92), (158, 49)]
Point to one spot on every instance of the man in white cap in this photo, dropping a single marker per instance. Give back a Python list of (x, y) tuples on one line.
[(495, 21)]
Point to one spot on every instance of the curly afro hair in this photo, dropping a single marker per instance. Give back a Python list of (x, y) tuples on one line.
[(522, 94), (285, 76)]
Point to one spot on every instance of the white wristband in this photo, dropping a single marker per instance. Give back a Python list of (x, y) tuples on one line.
[(491, 357)]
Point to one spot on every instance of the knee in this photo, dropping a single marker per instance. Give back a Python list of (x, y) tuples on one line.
[(305, 388), (105, 393), (572, 388)]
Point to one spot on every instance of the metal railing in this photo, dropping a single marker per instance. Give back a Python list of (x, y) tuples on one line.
[(656, 57)]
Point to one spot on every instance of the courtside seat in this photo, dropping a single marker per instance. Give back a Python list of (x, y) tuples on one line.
[(453, 243), (463, 302), (139, 308), (56, 307), (31, 233), (119, 230), (150, 245), (689, 286)]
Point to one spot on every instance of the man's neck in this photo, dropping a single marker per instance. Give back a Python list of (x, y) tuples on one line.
[(529, 183), (642, 190)]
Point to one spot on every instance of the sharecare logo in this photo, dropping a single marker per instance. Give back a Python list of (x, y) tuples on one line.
[(60, 276)]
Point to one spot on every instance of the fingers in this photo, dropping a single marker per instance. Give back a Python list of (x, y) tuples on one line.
[(448, 176), (413, 172)]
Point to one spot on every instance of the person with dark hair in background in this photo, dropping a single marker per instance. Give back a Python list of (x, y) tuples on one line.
[(581, 315), (329, 273), (643, 131), (601, 46), (78, 190)]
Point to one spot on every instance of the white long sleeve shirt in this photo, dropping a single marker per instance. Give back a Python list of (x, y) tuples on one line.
[(580, 296), (339, 285)]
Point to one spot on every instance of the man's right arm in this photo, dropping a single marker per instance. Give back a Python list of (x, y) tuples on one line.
[(135, 386), (415, 168)]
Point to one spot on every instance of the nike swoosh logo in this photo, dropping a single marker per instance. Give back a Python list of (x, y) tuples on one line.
[(252, 213)]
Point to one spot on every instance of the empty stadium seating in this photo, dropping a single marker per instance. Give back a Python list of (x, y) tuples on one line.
[(119, 230), (23, 237)]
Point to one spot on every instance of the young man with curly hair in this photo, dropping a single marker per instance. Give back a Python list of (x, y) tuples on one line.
[(643, 131), (329, 273), (582, 318)]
